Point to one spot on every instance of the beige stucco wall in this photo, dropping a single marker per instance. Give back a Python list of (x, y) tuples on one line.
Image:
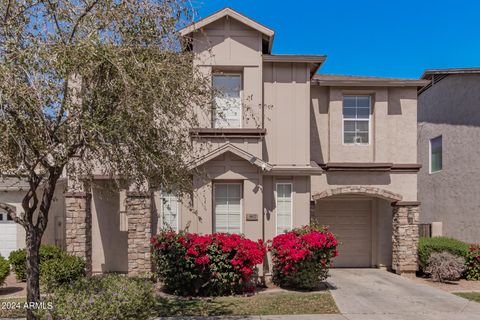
[(287, 115), (400, 183), (109, 244), (392, 138), (231, 168), (392, 128), (451, 108), (301, 202), (227, 45)]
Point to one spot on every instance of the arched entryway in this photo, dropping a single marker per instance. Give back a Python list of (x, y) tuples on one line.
[(361, 218)]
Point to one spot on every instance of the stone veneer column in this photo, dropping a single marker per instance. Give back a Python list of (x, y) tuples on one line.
[(405, 237), (78, 225), (139, 215)]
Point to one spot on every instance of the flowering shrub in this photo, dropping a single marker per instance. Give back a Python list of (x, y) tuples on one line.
[(302, 257), (209, 265), (472, 263)]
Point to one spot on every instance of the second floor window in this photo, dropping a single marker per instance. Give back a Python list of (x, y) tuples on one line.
[(227, 111), (356, 119), (436, 154)]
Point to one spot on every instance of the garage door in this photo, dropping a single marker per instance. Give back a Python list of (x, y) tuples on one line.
[(351, 221), (8, 235)]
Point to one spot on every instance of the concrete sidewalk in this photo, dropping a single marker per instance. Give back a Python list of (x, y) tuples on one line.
[(281, 317)]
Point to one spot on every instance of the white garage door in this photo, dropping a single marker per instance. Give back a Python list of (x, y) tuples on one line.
[(8, 235), (351, 221)]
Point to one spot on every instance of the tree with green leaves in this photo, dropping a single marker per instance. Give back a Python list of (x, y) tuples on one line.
[(93, 86)]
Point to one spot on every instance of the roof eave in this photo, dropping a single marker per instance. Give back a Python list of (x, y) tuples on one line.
[(227, 12), (370, 83)]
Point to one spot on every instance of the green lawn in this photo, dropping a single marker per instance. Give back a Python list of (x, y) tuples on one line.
[(260, 304), (474, 296)]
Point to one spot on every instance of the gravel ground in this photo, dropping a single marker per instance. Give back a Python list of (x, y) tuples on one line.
[(455, 286), (12, 288)]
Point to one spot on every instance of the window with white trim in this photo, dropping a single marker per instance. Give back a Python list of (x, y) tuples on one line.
[(284, 207), (227, 207), (356, 119), (170, 207), (436, 154), (227, 111)]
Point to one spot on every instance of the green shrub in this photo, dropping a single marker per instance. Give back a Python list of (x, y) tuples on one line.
[(18, 262), (4, 269), (472, 263), (18, 259), (62, 270), (427, 246), (102, 297)]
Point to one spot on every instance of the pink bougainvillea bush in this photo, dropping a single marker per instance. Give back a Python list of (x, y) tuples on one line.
[(207, 265), (472, 263), (302, 257)]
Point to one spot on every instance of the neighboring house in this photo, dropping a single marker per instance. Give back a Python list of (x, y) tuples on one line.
[(282, 147), (449, 151)]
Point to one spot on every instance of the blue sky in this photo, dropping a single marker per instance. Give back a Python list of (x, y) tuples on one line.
[(369, 37)]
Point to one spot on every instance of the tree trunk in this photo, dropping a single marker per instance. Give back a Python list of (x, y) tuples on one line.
[(33, 240)]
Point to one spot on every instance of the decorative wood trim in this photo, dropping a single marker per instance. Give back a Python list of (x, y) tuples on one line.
[(371, 166), (406, 204), (77, 194), (138, 194), (234, 132)]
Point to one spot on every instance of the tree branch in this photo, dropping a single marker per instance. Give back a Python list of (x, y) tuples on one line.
[(87, 10)]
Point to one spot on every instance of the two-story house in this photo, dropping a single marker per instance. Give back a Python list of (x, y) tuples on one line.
[(282, 146)]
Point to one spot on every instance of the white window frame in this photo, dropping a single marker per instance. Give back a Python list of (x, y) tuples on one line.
[(214, 222), (219, 73), (430, 154), (356, 119), (4, 219), (276, 205), (164, 196)]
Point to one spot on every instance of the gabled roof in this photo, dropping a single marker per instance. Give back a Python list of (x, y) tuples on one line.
[(430, 72), (269, 33), (365, 81), (228, 147)]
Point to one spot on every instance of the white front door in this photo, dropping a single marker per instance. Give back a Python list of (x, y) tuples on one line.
[(8, 235)]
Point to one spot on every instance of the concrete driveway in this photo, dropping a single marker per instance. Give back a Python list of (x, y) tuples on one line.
[(372, 294)]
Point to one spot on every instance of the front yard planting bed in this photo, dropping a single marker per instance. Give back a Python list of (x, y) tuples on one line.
[(260, 304), (474, 296)]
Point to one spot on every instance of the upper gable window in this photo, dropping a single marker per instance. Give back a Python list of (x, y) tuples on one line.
[(356, 119), (227, 111)]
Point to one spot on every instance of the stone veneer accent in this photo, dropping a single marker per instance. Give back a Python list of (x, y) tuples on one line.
[(373, 191), (138, 208), (405, 237), (78, 225)]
